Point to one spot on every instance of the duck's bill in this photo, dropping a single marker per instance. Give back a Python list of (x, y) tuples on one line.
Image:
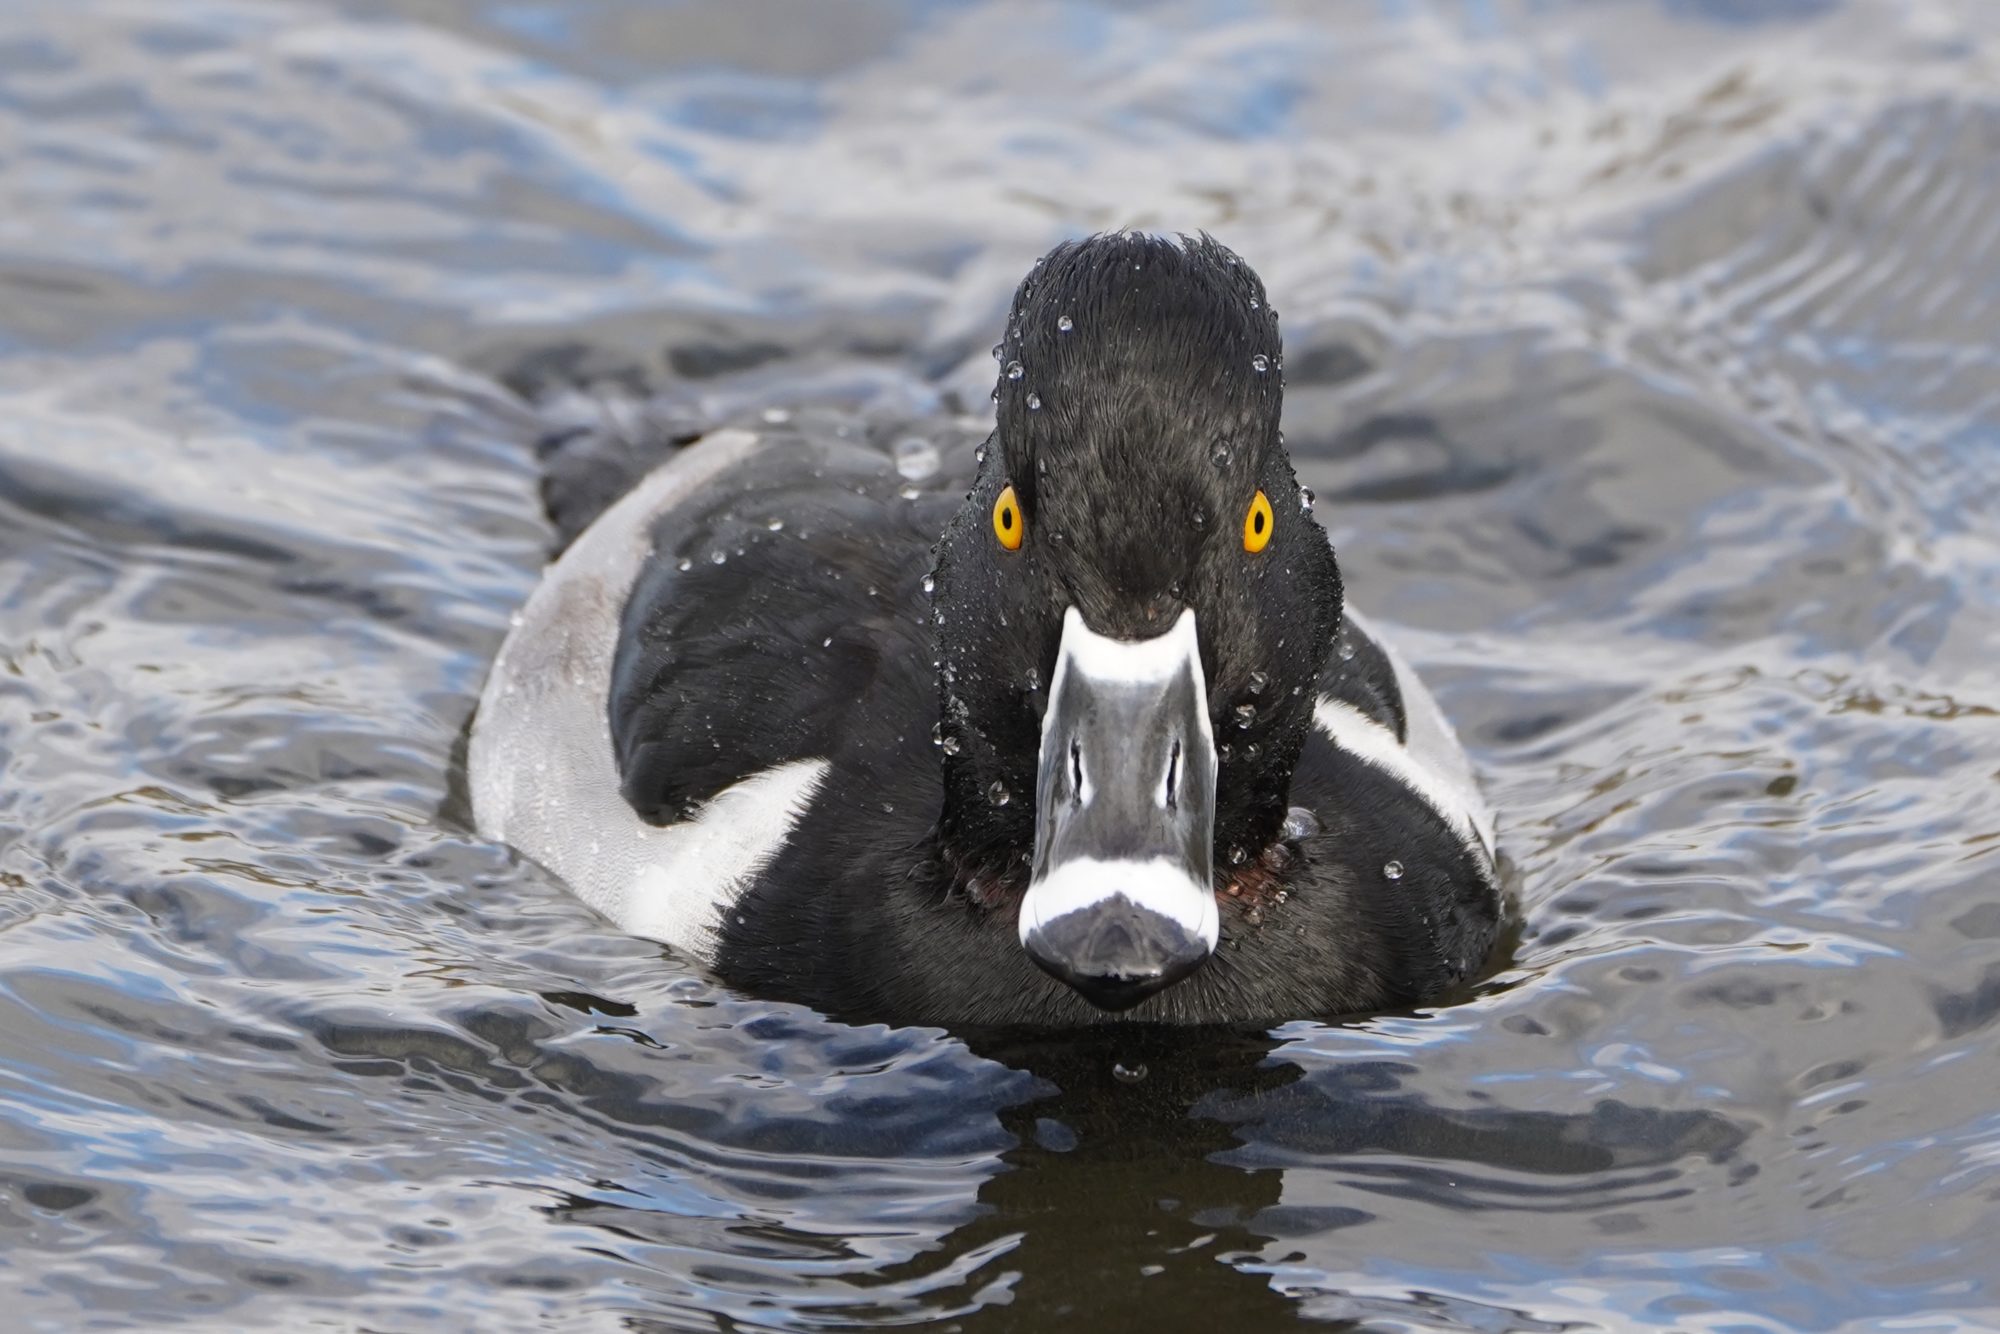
[(1122, 900)]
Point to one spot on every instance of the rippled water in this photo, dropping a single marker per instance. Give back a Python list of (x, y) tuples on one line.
[(1642, 355)]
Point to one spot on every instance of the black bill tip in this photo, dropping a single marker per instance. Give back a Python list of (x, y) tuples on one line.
[(1116, 953)]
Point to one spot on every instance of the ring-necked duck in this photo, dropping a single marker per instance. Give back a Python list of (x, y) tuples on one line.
[(1098, 736)]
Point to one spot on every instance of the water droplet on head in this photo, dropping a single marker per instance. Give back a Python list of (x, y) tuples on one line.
[(1034, 402), (1258, 680), (1306, 499), (1200, 517), (910, 491), (979, 454), (1246, 714), (1346, 650), (1392, 870), (1219, 456), (718, 557), (1014, 371), (776, 525), (1300, 823), (1034, 679), (1065, 324), (949, 745), (916, 457), (777, 416), (686, 564), (1253, 303), (997, 793), (1127, 1074), (930, 585), (937, 734), (1260, 363), (999, 350), (1237, 856)]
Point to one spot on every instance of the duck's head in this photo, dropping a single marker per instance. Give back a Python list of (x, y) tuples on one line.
[(1132, 610)]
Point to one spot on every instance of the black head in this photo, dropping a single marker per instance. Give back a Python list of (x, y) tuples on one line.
[(1137, 473)]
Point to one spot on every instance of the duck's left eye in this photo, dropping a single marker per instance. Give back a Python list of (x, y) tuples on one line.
[(1008, 525), (1257, 525)]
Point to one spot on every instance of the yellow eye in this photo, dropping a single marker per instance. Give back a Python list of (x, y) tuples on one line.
[(1008, 525), (1257, 525)]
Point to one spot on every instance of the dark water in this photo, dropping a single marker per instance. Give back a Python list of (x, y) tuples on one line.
[(1642, 354)]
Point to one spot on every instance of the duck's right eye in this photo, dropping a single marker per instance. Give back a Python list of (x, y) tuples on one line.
[(1008, 525)]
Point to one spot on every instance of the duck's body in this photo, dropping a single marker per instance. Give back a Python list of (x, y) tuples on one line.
[(736, 717)]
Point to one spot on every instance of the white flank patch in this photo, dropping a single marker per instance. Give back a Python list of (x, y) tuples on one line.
[(1355, 732), (696, 869), (1157, 885), (540, 761)]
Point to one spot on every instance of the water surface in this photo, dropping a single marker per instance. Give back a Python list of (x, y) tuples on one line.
[(1641, 354)]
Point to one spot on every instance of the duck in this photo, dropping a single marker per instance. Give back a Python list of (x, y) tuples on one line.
[(1080, 732)]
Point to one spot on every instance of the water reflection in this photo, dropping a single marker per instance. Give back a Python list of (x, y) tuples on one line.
[(1639, 354)]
